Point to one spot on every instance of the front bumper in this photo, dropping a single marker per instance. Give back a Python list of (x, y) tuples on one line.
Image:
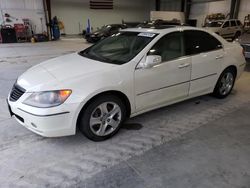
[(50, 122)]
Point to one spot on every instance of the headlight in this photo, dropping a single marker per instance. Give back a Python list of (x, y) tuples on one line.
[(47, 99)]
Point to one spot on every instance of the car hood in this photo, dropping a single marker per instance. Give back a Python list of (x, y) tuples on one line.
[(60, 69), (213, 29)]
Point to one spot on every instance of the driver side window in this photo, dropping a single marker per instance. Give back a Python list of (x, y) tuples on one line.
[(226, 24), (169, 47)]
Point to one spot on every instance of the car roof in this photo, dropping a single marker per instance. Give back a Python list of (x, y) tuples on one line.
[(162, 30), (223, 20), (112, 25)]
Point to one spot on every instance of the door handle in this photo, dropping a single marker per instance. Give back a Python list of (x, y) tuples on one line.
[(219, 57), (183, 65)]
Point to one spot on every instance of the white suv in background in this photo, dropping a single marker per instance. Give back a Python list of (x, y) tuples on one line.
[(226, 28)]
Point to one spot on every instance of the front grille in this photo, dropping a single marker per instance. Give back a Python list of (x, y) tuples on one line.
[(16, 93)]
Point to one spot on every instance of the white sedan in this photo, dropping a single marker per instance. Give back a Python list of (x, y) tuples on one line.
[(129, 73)]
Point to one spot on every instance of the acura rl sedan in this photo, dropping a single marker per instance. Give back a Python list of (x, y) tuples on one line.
[(124, 75)]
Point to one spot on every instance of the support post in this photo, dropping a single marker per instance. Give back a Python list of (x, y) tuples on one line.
[(232, 8), (237, 8), (157, 5), (187, 9), (47, 10)]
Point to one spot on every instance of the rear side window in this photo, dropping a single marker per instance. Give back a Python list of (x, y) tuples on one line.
[(199, 41), (226, 24), (238, 23), (233, 23)]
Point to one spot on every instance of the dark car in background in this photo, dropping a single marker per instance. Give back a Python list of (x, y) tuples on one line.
[(104, 32), (160, 23)]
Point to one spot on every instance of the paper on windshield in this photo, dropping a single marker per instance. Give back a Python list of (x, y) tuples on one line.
[(150, 35)]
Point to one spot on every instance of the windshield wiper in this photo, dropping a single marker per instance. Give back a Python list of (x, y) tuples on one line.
[(87, 54)]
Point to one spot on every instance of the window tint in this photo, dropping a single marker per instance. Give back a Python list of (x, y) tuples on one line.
[(169, 47), (226, 24), (199, 41), (233, 23)]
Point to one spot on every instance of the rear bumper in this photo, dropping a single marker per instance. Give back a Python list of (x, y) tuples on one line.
[(240, 69), (247, 50)]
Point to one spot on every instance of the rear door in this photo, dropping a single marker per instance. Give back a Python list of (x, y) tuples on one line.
[(207, 56), (227, 30), (234, 27)]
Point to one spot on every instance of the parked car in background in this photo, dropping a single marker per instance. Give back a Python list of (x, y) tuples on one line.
[(245, 43), (104, 32), (131, 24), (246, 47), (226, 28), (132, 72), (159, 23)]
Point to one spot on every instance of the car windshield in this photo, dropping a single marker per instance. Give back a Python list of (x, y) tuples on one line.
[(214, 24), (119, 48)]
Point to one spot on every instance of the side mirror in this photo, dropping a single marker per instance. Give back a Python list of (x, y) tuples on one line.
[(152, 60)]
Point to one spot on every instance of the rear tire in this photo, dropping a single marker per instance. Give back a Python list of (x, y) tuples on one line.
[(102, 118), (225, 83), (237, 35)]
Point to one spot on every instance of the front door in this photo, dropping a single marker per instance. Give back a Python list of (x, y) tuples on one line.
[(168, 81)]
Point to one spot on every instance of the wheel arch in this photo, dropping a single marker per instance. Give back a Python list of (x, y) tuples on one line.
[(232, 67), (119, 94)]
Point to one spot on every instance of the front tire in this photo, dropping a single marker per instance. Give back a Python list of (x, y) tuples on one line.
[(102, 118), (225, 83)]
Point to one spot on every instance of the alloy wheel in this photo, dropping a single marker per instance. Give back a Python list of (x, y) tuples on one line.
[(227, 83), (105, 118)]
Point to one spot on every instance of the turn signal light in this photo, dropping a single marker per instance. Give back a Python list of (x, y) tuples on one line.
[(64, 93)]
